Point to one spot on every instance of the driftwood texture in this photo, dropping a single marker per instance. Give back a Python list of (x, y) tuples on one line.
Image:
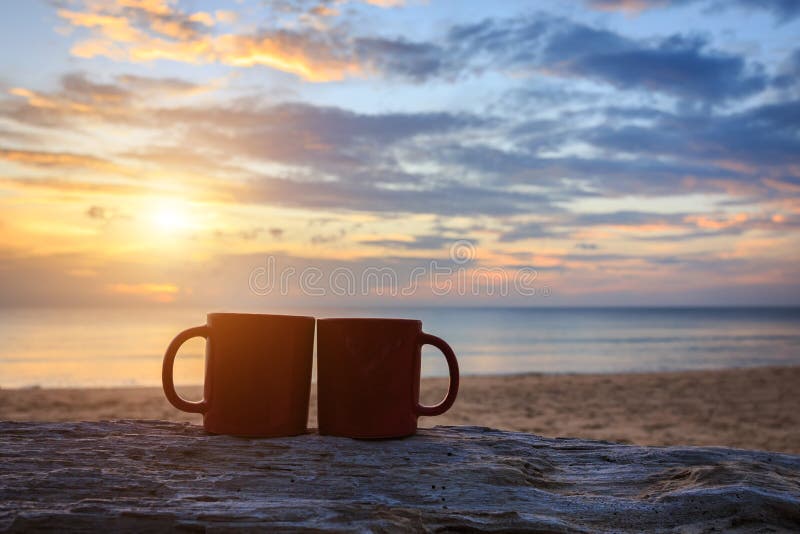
[(134, 475)]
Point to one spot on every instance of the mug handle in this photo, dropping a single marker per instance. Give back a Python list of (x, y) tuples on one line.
[(166, 371), (452, 365)]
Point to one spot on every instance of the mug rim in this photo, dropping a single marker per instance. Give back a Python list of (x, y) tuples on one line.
[(263, 315), (365, 319)]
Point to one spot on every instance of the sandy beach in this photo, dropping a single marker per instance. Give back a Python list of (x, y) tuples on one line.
[(757, 408)]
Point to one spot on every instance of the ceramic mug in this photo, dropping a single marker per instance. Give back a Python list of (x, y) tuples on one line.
[(258, 374), (368, 376)]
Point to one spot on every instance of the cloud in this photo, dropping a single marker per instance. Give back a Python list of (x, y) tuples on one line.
[(628, 6), (567, 225), (763, 137), (331, 140), (156, 292), (399, 58), (313, 59), (105, 214), (336, 158), (789, 75), (308, 6), (83, 279), (334, 153), (76, 186), (59, 160), (182, 158), (80, 95), (249, 234), (626, 168), (129, 21), (375, 162), (783, 10), (78, 87), (147, 86), (649, 226), (677, 65), (386, 3), (418, 242), (446, 163), (444, 199), (128, 31), (225, 16), (40, 101), (533, 230), (141, 31), (97, 212), (681, 66), (635, 219), (79, 98)]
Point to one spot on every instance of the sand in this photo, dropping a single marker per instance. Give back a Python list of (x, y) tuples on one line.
[(756, 408)]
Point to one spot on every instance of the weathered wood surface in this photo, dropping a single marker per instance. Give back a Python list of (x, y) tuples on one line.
[(157, 475)]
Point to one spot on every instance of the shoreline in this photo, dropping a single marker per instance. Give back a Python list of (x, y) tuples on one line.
[(536, 374), (749, 407)]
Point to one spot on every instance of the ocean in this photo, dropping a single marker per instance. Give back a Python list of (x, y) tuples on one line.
[(124, 347)]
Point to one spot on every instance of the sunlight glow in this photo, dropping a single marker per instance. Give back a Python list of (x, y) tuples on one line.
[(171, 217)]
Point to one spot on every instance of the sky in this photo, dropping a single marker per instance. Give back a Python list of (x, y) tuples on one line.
[(605, 152)]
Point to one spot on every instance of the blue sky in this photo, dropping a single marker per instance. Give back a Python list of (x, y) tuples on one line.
[(628, 151)]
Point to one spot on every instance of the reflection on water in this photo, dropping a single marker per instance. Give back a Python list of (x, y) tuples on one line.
[(90, 347), (86, 347)]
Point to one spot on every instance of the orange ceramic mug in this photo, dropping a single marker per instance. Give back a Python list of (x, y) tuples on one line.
[(368, 375), (258, 374)]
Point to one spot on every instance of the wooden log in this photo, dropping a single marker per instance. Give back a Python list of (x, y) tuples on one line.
[(134, 475)]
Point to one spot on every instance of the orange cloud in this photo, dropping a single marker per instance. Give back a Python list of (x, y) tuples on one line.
[(284, 52), (225, 16), (386, 3), (632, 7), (159, 7), (173, 29), (155, 31), (141, 30), (98, 47), (71, 186), (736, 188), (324, 11), (647, 228), (784, 187), (58, 159), (153, 292), (39, 100), (279, 51), (736, 166), (127, 99), (709, 223), (114, 27), (206, 19), (196, 51)]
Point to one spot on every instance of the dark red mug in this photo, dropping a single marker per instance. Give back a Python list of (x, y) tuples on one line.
[(368, 376), (258, 374)]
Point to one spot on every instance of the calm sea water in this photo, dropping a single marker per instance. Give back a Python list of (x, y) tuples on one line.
[(87, 347)]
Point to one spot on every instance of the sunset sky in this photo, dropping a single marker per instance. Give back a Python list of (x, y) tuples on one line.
[(628, 151)]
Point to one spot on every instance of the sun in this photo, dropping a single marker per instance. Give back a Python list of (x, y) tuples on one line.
[(171, 216)]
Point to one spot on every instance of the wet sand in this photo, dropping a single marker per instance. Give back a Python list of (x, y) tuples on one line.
[(756, 408)]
